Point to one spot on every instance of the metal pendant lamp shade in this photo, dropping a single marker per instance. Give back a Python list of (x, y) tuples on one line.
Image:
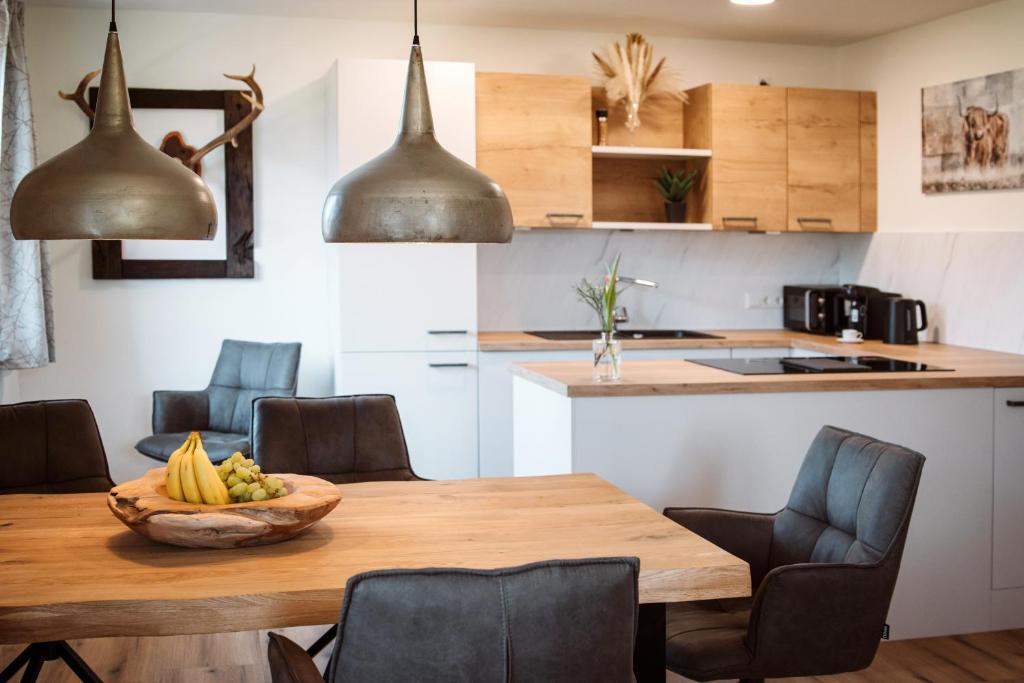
[(416, 191), (113, 184)]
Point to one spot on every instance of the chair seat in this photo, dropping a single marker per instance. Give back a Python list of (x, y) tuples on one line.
[(219, 445), (711, 633)]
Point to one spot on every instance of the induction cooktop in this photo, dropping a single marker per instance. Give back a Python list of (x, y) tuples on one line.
[(816, 365)]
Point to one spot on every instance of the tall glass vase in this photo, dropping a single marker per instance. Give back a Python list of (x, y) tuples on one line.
[(607, 358)]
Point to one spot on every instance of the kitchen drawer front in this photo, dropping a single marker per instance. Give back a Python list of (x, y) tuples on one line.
[(437, 400), (759, 352), (1008, 505), (407, 297)]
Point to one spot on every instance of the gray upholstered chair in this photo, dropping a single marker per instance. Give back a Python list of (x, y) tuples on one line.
[(823, 569), (51, 447), (558, 621), (343, 439), (223, 410)]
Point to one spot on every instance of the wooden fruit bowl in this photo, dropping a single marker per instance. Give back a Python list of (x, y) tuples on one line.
[(144, 507)]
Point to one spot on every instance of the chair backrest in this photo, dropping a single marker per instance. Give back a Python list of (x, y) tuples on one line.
[(342, 439), (851, 502), (51, 447), (245, 371), (564, 620)]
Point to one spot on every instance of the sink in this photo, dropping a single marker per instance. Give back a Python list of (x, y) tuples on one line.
[(569, 335)]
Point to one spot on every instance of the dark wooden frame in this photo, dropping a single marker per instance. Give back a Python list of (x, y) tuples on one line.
[(107, 260)]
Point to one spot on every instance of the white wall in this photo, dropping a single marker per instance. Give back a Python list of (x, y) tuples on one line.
[(959, 252), (118, 341), (974, 43)]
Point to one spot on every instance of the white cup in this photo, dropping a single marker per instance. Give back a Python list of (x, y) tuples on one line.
[(851, 335)]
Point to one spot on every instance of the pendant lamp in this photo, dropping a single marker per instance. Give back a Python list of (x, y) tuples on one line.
[(416, 191), (113, 184)]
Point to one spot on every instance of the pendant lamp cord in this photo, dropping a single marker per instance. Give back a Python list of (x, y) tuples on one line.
[(415, 22), (113, 22)]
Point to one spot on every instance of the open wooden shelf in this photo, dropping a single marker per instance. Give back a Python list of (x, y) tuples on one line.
[(615, 151)]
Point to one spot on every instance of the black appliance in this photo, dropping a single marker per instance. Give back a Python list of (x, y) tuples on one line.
[(812, 308), (854, 306), (821, 364), (877, 314), (901, 321)]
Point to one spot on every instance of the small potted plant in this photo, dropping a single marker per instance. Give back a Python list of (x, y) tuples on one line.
[(602, 298), (674, 187)]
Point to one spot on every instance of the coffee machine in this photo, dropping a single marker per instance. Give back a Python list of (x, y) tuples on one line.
[(853, 307)]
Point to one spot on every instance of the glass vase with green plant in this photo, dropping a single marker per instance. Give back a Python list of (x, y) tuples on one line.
[(602, 299), (673, 187)]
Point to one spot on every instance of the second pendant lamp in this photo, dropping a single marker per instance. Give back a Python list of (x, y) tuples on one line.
[(416, 191), (113, 184)]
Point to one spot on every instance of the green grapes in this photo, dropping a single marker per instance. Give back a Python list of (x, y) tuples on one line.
[(246, 481)]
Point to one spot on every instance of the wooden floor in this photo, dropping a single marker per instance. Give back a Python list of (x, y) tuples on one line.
[(241, 658)]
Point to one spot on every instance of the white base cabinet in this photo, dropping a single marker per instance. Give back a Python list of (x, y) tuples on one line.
[(1008, 506), (743, 451), (437, 399)]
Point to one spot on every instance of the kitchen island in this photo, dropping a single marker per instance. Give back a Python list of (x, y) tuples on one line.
[(673, 432)]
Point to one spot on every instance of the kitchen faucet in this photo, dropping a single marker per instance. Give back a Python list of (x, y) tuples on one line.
[(620, 315)]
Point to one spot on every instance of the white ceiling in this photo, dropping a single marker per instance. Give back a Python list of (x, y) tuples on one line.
[(809, 22)]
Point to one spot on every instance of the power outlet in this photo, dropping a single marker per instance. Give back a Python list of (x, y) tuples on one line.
[(762, 300)]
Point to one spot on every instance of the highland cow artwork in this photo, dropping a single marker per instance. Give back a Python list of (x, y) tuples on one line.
[(973, 134)]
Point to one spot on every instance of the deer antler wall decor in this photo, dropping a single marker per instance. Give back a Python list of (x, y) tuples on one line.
[(175, 138)]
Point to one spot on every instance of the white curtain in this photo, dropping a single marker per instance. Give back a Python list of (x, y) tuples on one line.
[(26, 315)]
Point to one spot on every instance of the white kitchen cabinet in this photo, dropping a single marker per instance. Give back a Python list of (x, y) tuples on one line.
[(400, 297), (403, 316), (436, 394), (496, 394), (762, 352), (1008, 504)]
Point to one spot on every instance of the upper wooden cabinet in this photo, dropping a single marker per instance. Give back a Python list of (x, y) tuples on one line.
[(744, 187), (824, 160), (795, 159), (533, 139)]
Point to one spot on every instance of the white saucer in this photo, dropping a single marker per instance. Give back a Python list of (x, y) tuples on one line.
[(849, 341)]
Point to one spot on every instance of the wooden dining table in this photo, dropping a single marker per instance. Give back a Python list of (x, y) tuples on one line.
[(69, 569)]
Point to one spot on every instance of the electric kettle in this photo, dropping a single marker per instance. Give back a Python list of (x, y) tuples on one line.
[(901, 320)]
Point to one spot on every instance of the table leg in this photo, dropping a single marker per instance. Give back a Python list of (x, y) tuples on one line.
[(649, 654)]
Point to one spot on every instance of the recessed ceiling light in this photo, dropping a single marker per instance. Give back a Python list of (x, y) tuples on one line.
[(752, 2)]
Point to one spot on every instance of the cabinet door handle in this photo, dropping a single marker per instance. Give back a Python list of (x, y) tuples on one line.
[(559, 214), (739, 219), (822, 221), (447, 331), (1015, 404), (448, 365)]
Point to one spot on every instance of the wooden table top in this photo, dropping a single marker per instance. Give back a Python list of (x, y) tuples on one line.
[(69, 569), (969, 368)]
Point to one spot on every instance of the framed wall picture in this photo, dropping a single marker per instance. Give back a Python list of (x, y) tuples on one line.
[(972, 134), (178, 122)]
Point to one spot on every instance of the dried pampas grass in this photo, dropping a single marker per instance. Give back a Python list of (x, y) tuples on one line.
[(630, 78)]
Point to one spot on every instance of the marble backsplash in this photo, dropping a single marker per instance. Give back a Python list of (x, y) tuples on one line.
[(703, 277), (972, 282)]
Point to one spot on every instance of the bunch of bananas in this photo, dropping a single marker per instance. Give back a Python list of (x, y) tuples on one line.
[(192, 477)]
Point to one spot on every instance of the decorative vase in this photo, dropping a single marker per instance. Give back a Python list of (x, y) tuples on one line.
[(607, 358), (675, 212), (632, 119)]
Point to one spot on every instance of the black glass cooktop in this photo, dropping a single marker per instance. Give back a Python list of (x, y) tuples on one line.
[(820, 364)]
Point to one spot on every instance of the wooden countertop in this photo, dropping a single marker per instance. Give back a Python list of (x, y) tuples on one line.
[(521, 341), (968, 368), (69, 569)]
